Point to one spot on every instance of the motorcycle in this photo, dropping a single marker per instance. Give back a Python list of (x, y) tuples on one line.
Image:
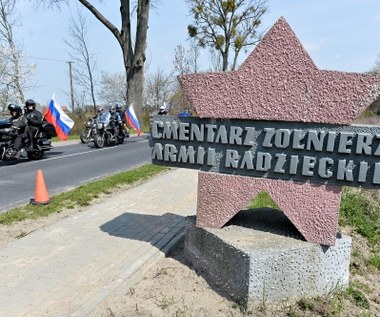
[(88, 132), (106, 133), (41, 141)]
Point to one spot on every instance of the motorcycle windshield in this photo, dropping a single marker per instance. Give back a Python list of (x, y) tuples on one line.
[(104, 118), (5, 123)]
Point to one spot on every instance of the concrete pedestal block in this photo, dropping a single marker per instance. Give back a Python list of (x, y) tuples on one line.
[(259, 258)]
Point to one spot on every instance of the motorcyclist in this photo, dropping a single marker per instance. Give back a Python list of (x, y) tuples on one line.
[(162, 110), (28, 126), (120, 112), (15, 112), (19, 123), (115, 121), (34, 118), (100, 110)]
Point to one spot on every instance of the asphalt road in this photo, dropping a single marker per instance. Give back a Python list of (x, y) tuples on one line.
[(68, 166)]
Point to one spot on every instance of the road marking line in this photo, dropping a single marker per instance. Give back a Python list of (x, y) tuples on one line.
[(80, 153)]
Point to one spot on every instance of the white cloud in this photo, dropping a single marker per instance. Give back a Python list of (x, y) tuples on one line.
[(315, 46)]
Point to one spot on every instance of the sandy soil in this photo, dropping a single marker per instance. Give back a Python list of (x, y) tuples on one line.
[(172, 287)]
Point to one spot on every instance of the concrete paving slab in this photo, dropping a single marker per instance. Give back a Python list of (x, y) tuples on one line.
[(69, 267)]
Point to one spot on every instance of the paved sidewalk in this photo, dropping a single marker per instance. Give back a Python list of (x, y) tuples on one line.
[(68, 268)]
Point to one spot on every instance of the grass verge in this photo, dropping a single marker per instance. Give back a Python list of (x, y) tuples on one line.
[(360, 210), (81, 196)]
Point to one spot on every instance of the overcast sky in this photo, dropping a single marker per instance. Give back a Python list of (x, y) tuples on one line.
[(339, 35)]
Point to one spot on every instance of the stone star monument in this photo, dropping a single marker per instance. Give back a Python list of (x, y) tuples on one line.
[(282, 126)]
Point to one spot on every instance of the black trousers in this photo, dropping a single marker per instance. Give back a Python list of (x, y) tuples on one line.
[(28, 133), (18, 141)]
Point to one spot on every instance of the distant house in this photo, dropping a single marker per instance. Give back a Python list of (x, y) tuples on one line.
[(65, 108)]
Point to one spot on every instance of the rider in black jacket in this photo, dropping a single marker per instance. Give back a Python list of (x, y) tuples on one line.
[(34, 118), (115, 121), (15, 112), (18, 122), (28, 126)]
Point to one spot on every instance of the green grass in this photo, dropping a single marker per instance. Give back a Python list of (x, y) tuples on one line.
[(358, 297), (81, 196), (362, 214), (374, 260), (262, 199)]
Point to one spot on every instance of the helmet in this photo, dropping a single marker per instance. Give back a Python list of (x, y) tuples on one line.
[(15, 108), (100, 109), (112, 109), (118, 107), (162, 108), (28, 103)]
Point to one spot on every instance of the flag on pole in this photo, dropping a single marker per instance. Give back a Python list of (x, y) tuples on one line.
[(131, 118), (55, 115)]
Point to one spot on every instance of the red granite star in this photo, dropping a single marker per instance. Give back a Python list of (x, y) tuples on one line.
[(277, 82)]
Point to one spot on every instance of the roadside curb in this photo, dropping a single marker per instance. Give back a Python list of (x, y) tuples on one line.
[(65, 142)]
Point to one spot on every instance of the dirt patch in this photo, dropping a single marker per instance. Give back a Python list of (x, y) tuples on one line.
[(172, 287), (11, 233)]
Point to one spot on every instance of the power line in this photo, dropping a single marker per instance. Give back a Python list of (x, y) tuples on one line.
[(49, 59)]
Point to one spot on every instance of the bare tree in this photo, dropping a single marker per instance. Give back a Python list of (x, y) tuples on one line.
[(376, 68), (112, 88), (84, 66), (186, 60), (194, 53), (80, 101), (216, 61), (133, 55), (226, 25), (181, 61), (15, 72), (374, 108), (158, 89)]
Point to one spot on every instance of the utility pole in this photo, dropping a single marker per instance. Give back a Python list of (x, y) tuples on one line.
[(71, 85)]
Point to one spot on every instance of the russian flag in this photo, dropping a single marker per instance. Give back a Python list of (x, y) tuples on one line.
[(131, 118), (55, 115)]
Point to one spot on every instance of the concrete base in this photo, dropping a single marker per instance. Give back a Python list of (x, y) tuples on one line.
[(259, 258)]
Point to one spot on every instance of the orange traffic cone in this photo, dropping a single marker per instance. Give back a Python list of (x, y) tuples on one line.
[(41, 196)]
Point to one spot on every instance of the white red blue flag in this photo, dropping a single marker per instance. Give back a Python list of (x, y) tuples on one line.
[(131, 118), (55, 115)]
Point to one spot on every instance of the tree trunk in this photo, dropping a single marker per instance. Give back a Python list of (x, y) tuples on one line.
[(126, 44), (235, 59), (135, 79), (225, 61), (225, 54), (134, 59)]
